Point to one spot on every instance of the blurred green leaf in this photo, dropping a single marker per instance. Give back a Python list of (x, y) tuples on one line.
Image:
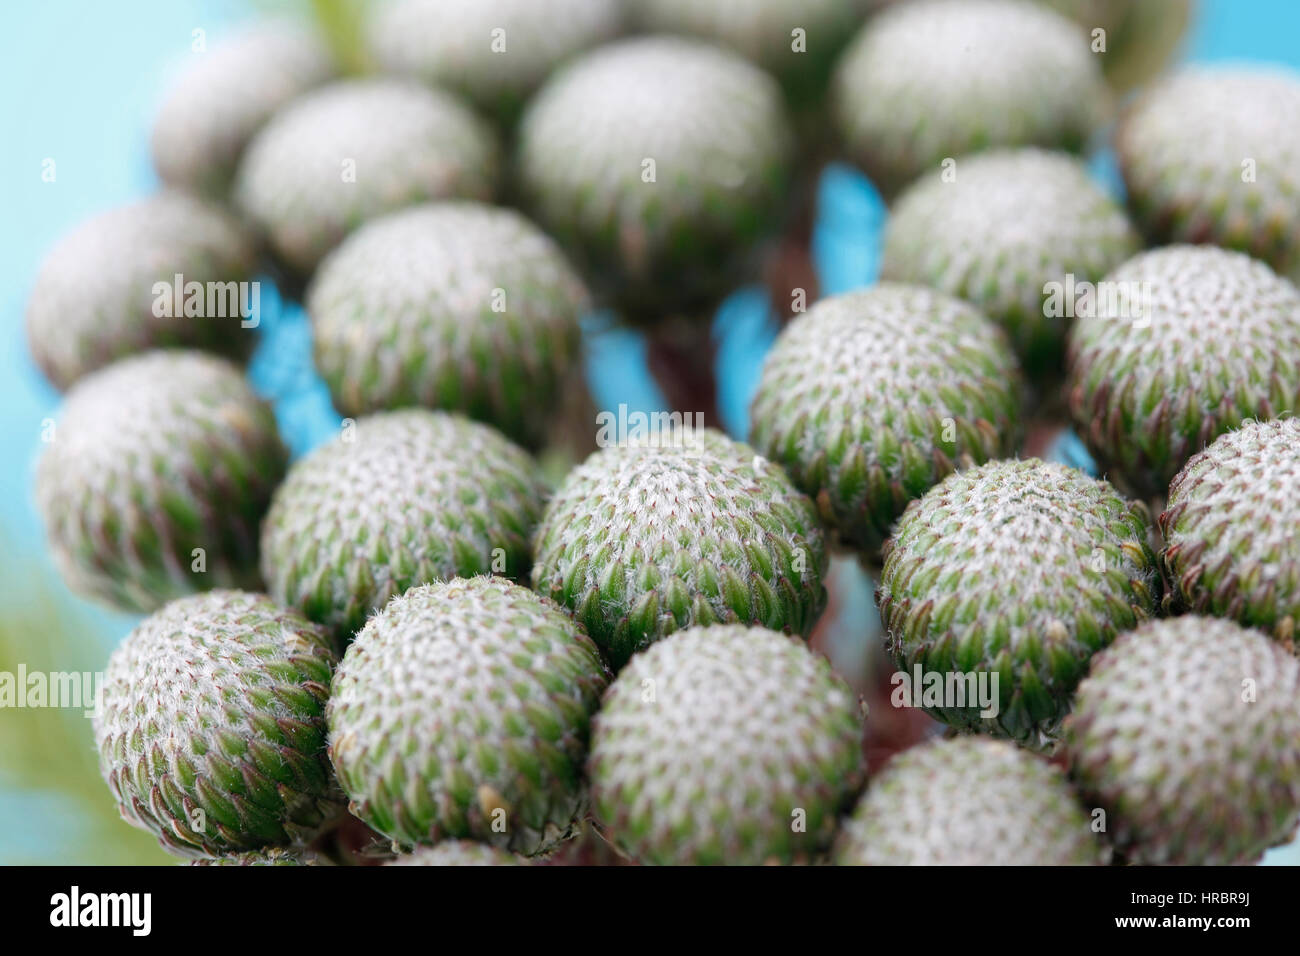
[(341, 21), (54, 806)]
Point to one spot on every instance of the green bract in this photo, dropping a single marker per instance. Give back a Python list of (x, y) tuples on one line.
[(1232, 529), (1018, 569), (462, 709), (1187, 734), (1189, 342), (686, 528), (354, 150), (1014, 234), (226, 95), (725, 745), (657, 162), (492, 52), (1201, 167), (935, 79), (453, 305), (794, 40), (108, 288), (155, 478), (398, 499), (873, 396), (211, 728), (968, 801)]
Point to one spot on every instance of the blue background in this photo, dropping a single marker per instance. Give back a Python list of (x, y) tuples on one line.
[(80, 84)]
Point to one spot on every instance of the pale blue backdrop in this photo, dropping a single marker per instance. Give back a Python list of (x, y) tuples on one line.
[(79, 84)]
